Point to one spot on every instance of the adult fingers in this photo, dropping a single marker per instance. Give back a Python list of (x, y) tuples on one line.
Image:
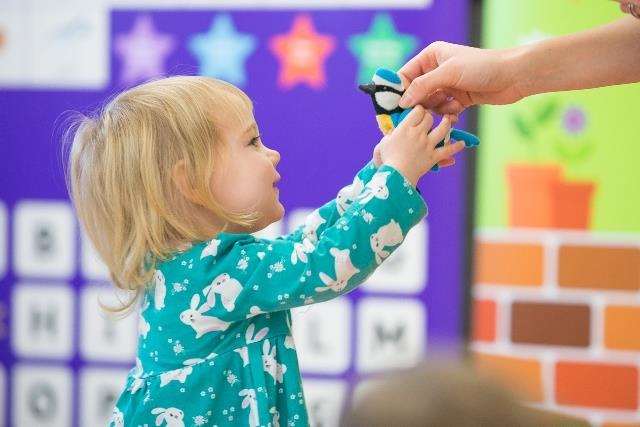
[(421, 87), (421, 63), (452, 107), (437, 98)]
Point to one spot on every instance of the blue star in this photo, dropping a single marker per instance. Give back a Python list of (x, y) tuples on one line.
[(222, 51)]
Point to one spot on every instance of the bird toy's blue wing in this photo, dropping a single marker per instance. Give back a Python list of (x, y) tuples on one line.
[(386, 90), (470, 140)]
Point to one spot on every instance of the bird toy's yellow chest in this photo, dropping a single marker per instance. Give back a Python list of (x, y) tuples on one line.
[(385, 123)]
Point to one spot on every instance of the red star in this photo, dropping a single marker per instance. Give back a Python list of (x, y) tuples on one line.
[(302, 53)]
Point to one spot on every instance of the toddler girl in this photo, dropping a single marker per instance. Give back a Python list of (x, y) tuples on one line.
[(169, 181)]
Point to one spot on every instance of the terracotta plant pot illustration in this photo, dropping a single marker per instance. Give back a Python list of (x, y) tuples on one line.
[(573, 204), (531, 194)]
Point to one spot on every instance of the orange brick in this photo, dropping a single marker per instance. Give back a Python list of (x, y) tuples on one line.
[(621, 329), (509, 263), (484, 320), (522, 376), (597, 385), (607, 268)]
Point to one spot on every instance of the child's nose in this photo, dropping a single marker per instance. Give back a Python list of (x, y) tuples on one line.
[(275, 157)]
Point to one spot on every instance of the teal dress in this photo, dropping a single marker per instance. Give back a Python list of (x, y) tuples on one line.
[(215, 345)]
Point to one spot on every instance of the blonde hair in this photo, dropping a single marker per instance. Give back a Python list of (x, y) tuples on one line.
[(121, 161)]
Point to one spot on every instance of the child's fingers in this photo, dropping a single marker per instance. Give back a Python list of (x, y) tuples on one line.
[(447, 162), (377, 155), (425, 125), (440, 132), (447, 151), (414, 117)]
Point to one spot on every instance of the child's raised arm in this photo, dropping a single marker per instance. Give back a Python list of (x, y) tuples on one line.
[(327, 215), (257, 275)]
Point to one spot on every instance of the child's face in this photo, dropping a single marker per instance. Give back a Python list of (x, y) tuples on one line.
[(247, 180)]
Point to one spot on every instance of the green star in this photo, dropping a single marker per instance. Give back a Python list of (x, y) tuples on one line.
[(381, 46)]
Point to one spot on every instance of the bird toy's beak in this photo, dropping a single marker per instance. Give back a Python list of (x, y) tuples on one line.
[(368, 88)]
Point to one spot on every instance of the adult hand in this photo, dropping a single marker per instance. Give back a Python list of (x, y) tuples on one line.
[(447, 78), (631, 7)]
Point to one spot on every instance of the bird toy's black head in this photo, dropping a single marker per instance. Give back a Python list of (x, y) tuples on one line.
[(385, 90), (368, 88)]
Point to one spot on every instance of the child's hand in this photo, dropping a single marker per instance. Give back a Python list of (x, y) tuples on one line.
[(377, 160), (409, 148)]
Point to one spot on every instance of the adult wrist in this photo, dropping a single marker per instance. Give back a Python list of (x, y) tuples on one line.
[(519, 67)]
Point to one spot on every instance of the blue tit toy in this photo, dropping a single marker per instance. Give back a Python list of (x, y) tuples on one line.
[(386, 90)]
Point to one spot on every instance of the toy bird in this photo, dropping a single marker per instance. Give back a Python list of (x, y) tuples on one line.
[(386, 90)]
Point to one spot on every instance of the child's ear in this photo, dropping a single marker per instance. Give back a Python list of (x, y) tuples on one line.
[(180, 180)]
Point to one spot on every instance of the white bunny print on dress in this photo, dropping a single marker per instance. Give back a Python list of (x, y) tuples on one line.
[(228, 289), (270, 364), (377, 188), (300, 251), (386, 236), (211, 249), (180, 374), (143, 325), (348, 194), (345, 270), (200, 323), (250, 402), (117, 419), (243, 352), (276, 417), (311, 225), (172, 416), (310, 237), (288, 341), (160, 290), (137, 382)]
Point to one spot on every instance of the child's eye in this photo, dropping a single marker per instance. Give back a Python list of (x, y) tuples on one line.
[(255, 141)]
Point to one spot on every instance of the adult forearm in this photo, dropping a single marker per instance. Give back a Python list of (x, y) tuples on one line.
[(602, 56)]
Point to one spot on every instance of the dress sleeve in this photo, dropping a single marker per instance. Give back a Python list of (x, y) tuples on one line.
[(327, 215), (260, 275)]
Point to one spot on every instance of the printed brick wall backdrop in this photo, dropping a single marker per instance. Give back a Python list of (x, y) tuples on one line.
[(570, 341)]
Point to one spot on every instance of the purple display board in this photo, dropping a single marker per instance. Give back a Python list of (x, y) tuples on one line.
[(61, 363)]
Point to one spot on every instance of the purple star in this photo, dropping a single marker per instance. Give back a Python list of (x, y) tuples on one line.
[(143, 51)]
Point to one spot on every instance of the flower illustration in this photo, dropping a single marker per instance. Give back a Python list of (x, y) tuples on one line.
[(574, 120), (199, 420), (178, 348), (232, 378), (243, 263)]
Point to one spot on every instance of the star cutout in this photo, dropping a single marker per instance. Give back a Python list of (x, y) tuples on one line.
[(381, 46), (143, 51), (302, 52), (222, 51)]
